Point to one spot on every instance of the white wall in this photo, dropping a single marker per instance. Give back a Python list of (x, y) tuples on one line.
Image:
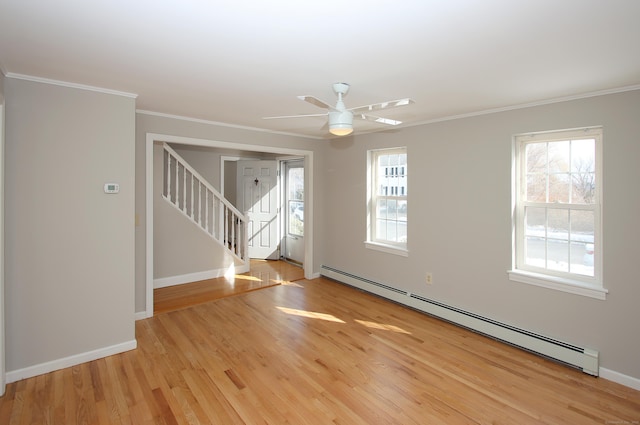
[(69, 246), (460, 222)]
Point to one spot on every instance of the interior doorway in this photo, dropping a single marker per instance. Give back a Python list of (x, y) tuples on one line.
[(151, 138)]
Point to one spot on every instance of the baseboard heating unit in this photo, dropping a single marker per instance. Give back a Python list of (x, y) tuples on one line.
[(582, 358)]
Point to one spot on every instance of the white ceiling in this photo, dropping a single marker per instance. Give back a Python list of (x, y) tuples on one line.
[(237, 61)]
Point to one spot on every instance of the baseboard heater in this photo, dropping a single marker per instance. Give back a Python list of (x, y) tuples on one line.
[(582, 358)]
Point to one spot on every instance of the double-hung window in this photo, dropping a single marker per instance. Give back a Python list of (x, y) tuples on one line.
[(387, 200), (557, 195)]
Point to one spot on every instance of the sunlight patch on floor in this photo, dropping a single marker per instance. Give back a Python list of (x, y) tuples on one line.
[(382, 326), (245, 277), (310, 314)]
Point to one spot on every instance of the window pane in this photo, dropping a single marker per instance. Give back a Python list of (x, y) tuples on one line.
[(402, 210), (536, 158), (535, 222), (558, 255), (535, 251), (583, 171), (295, 183), (381, 210), (582, 156), (559, 157), (296, 218), (559, 188), (558, 224), (582, 246), (536, 188), (582, 226)]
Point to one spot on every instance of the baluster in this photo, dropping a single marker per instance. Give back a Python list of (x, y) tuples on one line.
[(233, 232), (167, 177), (191, 184), (220, 209), (200, 204), (184, 188), (177, 171), (206, 212), (226, 225)]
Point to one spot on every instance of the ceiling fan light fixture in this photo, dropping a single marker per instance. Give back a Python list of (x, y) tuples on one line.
[(340, 123), (341, 131)]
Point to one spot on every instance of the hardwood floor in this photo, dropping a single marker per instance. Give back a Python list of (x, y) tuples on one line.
[(315, 352), (263, 274)]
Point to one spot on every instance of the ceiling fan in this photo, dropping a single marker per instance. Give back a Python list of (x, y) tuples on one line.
[(341, 118)]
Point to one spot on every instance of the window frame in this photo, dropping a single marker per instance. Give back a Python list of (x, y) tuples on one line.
[(371, 242), (590, 286)]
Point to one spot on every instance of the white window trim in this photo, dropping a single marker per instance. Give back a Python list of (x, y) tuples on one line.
[(400, 249), (558, 283), (589, 287), (389, 249)]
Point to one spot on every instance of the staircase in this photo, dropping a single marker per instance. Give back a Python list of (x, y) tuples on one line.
[(197, 200)]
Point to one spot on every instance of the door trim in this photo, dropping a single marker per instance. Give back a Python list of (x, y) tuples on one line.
[(152, 138)]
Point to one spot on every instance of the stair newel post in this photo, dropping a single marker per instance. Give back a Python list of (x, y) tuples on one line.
[(245, 237)]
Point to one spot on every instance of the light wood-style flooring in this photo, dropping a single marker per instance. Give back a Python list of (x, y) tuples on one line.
[(263, 274), (315, 352)]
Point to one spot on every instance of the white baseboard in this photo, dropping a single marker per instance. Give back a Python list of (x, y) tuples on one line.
[(408, 299), (140, 315), (195, 277), (619, 378), (39, 369)]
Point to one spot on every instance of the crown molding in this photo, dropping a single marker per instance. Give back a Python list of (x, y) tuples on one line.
[(69, 85), (221, 124), (529, 105)]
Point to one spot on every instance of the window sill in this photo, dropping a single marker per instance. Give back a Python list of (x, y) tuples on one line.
[(389, 249), (559, 284)]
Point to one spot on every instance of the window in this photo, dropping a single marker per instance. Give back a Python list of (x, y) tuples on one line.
[(557, 227), (295, 199), (387, 200)]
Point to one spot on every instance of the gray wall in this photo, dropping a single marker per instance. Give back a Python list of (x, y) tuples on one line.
[(69, 246), (460, 222)]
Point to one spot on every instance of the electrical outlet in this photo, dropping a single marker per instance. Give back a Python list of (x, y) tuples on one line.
[(429, 278)]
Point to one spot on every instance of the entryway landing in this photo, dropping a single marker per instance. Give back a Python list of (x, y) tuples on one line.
[(263, 274)]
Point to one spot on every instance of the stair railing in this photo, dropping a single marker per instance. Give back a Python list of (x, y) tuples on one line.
[(191, 194)]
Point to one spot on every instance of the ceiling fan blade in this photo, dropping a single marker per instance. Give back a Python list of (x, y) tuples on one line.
[(317, 102), (379, 120), (295, 116), (382, 105)]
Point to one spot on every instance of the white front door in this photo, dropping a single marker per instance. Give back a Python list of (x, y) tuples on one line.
[(259, 195)]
